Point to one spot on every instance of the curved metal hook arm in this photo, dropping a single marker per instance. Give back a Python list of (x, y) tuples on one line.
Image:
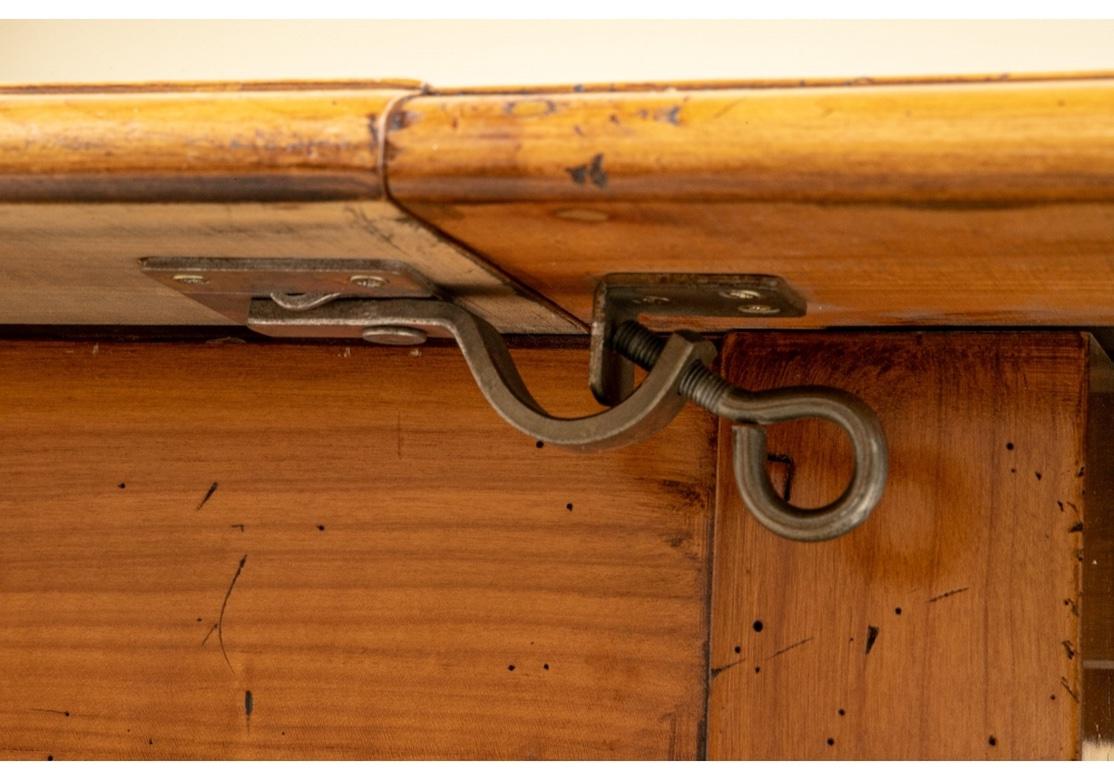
[(650, 408)]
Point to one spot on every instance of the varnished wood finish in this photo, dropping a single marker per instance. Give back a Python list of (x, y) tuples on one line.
[(947, 626), (984, 203), (1098, 566), (393, 572), (228, 145)]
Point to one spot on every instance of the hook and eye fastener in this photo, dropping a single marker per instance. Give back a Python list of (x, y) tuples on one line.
[(750, 411)]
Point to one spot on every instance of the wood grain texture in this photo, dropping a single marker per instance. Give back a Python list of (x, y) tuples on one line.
[(896, 204), (945, 627), (227, 145), (79, 263), (392, 571), (1098, 566)]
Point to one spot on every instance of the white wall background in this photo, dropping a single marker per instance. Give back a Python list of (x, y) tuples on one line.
[(471, 53)]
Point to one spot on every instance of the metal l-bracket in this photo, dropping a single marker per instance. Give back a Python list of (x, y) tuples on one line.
[(673, 297)]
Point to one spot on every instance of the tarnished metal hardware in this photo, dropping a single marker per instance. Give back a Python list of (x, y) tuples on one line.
[(671, 297), (389, 303), (649, 408), (749, 411)]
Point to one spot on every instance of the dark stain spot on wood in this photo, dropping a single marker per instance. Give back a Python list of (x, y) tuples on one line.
[(678, 539), (320, 527), (208, 495), (545, 666), (539, 444), (738, 649), (241, 526), (1009, 445), (757, 669), (831, 741), (568, 506), (1061, 505), (992, 740), (689, 494), (841, 712), (757, 626), (897, 610), (50, 758), (1013, 471), (871, 637), (1037, 474), (614, 119), (947, 594), (150, 741), (510, 667), (122, 485), (1076, 529), (576, 129), (671, 115), (592, 172), (249, 703)]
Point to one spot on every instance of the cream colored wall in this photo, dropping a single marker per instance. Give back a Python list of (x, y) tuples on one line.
[(462, 53)]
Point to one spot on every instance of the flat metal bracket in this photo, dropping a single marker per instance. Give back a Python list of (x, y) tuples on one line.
[(666, 300)]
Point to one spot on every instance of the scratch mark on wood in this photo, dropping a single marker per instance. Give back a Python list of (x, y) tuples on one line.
[(871, 637), (249, 704), (718, 670), (224, 606), (241, 526), (947, 594), (208, 495), (792, 647), (211, 630), (1069, 648), (1066, 687), (64, 713)]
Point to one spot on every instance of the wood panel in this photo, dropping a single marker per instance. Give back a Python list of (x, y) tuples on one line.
[(890, 204), (945, 627), (271, 551), (1098, 568)]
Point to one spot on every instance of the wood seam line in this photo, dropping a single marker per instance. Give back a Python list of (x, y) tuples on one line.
[(380, 141), (383, 127)]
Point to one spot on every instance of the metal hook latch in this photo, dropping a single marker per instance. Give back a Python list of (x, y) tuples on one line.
[(284, 299)]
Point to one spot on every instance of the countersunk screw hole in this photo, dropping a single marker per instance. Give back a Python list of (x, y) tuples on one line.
[(841, 711), (757, 626), (539, 444), (568, 506), (992, 741), (320, 528), (831, 741), (897, 610), (1009, 445), (545, 666), (738, 649), (510, 668)]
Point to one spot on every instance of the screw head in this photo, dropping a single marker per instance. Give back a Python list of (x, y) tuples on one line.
[(190, 279), (758, 308), (394, 335), (741, 294), (368, 281)]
